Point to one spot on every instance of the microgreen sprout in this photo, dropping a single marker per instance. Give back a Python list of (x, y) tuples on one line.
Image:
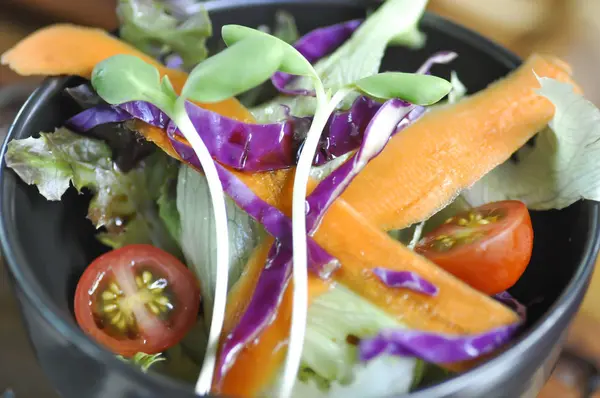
[(251, 58), (417, 89)]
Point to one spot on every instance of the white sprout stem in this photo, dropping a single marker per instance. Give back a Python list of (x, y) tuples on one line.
[(300, 264), (204, 383), (416, 235)]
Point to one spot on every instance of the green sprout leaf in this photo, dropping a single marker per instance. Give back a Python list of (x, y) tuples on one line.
[(167, 88), (124, 78), (415, 88), (292, 61), (233, 71)]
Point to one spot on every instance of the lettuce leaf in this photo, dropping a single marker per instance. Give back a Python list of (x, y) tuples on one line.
[(143, 361), (198, 234), (124, 204), (330, 366), (147, 25), (358, 57), (561, 168)]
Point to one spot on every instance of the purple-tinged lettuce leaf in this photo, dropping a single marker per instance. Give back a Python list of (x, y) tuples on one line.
[(406, 280), (507, 299), (123, 204), (434, 348), (314, 46)]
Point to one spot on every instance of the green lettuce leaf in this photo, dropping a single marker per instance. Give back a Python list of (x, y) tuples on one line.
[(563, 165), (284, 27), (147, 25), (143, 361), (198, 238), (330, 366), (357, 58), (167, 208), (123, 204)]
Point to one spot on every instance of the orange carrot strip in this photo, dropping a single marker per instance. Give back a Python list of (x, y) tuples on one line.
[(250, 370), (65, 49), (424, 167)]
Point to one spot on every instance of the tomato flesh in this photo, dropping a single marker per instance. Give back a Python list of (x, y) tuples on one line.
[(488, 247), (137, 299)]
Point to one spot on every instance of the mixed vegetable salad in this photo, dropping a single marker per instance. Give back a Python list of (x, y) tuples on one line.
[(353, 236)]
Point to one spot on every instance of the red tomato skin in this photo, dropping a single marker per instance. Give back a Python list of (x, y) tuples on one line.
[(184, 282), (494, 264)]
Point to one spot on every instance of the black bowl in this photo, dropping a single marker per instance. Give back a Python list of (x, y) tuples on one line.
[(48, 245)]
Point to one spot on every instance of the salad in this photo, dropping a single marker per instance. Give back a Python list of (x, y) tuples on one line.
[(355, 235)]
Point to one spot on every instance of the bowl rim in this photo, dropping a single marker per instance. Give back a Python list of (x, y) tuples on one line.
[(49, 312)]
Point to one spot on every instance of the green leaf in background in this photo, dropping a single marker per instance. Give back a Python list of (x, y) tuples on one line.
[(149, 222), (563, 166), (357, 58), (123, 78), (147, 25), (53, 160), (167, 208), (415, 88), (124, 204), (285, 27), (240, 67)]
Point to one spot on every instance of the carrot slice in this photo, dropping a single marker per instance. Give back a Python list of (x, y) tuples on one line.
[(65, 49), (423, 168)]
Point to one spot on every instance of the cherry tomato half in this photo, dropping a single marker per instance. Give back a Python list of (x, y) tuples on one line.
[(488, 247), (137, 299)]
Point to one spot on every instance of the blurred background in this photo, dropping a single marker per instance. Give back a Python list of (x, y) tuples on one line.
[(568, 28)]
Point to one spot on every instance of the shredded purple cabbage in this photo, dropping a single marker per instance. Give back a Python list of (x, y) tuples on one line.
[(377, 134), (275, 222), (513, 303), (92, 117), (261, 310), (314, 46), (434, 348), (261, 147), (406, 280)]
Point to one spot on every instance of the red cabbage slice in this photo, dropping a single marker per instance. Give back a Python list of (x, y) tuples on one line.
[(275, 222), (261, 310), (377, 134), (314, 46), (434, 348), (507, 299), (406, 280), (93, 117)]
